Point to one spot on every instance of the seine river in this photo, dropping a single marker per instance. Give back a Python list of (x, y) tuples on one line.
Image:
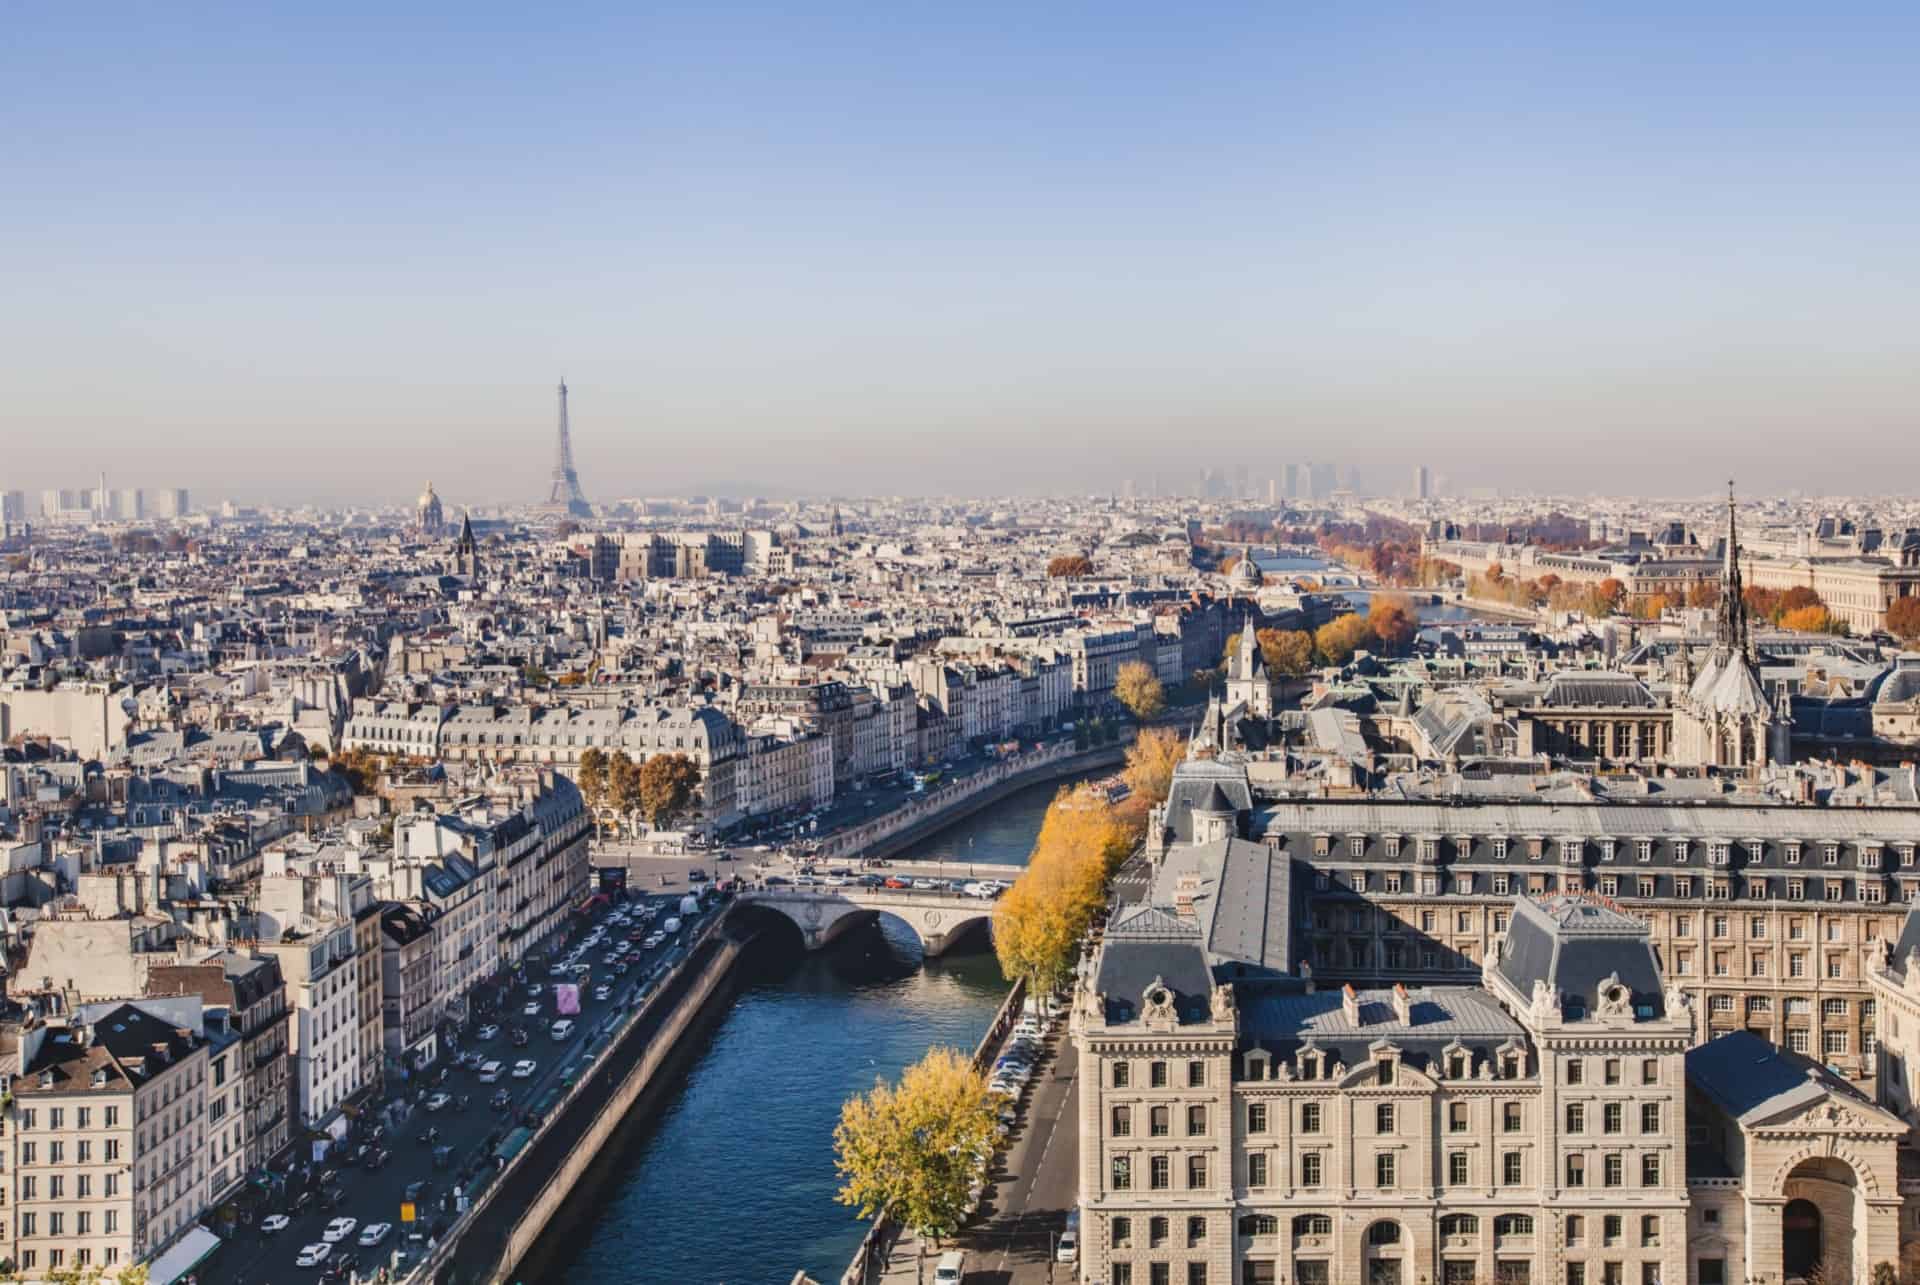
[(731, 1180)]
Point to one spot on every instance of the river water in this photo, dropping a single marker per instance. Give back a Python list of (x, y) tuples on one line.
[(732, 1179)]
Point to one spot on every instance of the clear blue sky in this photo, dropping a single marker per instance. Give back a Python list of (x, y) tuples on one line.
[(976, 246)]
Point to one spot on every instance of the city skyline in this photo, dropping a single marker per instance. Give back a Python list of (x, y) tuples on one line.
[(281, 258)]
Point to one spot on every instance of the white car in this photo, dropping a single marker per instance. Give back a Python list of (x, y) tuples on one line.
[(488, 1031), (531, 1010), (601, 992), (375, 1233), (339, 1229), (490, 1072), (523, 1069), (439, 1102), (273, 1223), (562, 1029), (1067, 1248), (313, 1255)]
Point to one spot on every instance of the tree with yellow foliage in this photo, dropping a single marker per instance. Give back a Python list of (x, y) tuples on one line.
[(1338, 639), (910, 1148), (1807, 620), (1150, 763), (1038, 923), (1136, 687), (1287, 652)]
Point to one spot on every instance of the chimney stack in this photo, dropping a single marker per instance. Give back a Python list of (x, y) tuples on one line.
[(1402, 1006), (1350, 1004)]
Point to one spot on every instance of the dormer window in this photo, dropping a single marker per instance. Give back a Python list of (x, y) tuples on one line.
[(46, 1078), (1570, 852), (1643, 849), (1906, 855), (1680, 851), (1393, 845), (1429, 850), (100, 1078), (1535, 849), (1500, 848), (1357, 845), (1793, 854), (1830, 853), (1717, 853), (1870, 856), (1606, 849)]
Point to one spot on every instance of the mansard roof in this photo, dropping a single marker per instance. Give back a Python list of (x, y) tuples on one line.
[(1574, 944)]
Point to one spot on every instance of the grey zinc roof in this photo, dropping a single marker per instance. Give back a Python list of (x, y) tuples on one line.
[(1573, 944), (1282, 1021), (1587, 820), (1243, 904), (1149, 944), (1753, 1080), (1588, 690)]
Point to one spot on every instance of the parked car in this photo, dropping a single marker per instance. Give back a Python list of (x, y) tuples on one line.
[(313, 1255), (500, 1100), (374, 1233), (339, 1229), (488, 1031)]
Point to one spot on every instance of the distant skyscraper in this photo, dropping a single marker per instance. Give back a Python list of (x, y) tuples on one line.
[(565, 496), (1273, 490), (1422, 483), (1290, 476), (1320, 484)]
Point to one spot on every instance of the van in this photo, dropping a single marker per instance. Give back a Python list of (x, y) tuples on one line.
[(1067, 1248), (562, 1029), (490, 1072), (949, 1269)]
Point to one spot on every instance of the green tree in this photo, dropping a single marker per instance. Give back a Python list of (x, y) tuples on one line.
[(593, 776), (910, 1148), (667, 783), (1136, 687)]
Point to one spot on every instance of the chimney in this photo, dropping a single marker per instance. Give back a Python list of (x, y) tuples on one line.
[(1350, 1004), (1402, 1006), (1183, 890)]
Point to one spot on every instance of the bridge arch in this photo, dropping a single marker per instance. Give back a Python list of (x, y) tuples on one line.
[(939, 921)]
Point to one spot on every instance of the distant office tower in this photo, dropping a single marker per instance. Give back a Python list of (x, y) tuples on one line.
[(1290, 477), (1320, 485), (1127, 489), (1422, 483), (129, 505), (1242, 488), (1273, 490), (13, 507), (565, 495), (1353, 479), (170, 502)]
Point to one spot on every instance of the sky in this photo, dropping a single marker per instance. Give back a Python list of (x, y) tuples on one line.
[(292, 253)]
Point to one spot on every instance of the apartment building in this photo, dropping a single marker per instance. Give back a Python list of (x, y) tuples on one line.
[(106, 1143)]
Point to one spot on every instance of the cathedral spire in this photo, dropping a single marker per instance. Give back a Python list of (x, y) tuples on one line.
[(1731, 627)]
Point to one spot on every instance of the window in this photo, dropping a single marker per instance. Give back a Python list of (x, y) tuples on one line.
[(1383, 1118), (1123, 1232), (1312, 1225), (1156, 1233), (1649, 1117), (1650, 1231), (1456, 1117), (1576, 1171), (1159, 1122), (1650, 1170), (1256, 1117), (1160, 1173), (1310, 1169), (1157, 1075), (1257, 1169), (1511, 1170), (1122, 1173), (1459, 1225), (1383, 1168), (1797, 1041), (1611, 1229), (1310, 1117), (1833, 1042), (1510, 1117), (1196, 1172), (1576, 1117), (1513, 1225), (1833, 1008), (1576, 1071), (1120, 1075), (1614, 1170), (1576, 1229), (1196, 1122), (1196, 1074), (1122, 1122), (1613, 1117), (1457, 1168), (1196, 1230), (1196, 1274), (1384, 1233)]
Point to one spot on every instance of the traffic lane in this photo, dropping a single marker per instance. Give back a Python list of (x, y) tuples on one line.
[(376, 1196), (1038, 1183)]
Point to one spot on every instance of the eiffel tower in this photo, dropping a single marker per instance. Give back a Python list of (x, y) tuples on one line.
[(565, 497)]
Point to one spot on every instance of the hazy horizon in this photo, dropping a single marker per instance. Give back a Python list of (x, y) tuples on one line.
[(985, 249)]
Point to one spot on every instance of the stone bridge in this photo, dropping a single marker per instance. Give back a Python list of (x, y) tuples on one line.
[(823, 914)]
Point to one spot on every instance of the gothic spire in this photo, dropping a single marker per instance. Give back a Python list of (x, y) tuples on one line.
[(1731, 628)]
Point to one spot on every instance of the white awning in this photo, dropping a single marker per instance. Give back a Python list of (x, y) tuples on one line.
[(186, 1254)]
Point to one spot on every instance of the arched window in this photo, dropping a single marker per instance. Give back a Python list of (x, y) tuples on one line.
[(1513, 1225), (1313, 1225), (1459, 1225), (1384, 1233)]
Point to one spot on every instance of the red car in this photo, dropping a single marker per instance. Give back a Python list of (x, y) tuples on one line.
[(895, 883)]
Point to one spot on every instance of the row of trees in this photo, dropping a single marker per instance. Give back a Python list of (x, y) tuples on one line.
[(659, 789), (909, 1148), (1072, 564)]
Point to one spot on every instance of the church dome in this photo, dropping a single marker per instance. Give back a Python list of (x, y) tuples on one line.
[(1245, 574), (427, 496)]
